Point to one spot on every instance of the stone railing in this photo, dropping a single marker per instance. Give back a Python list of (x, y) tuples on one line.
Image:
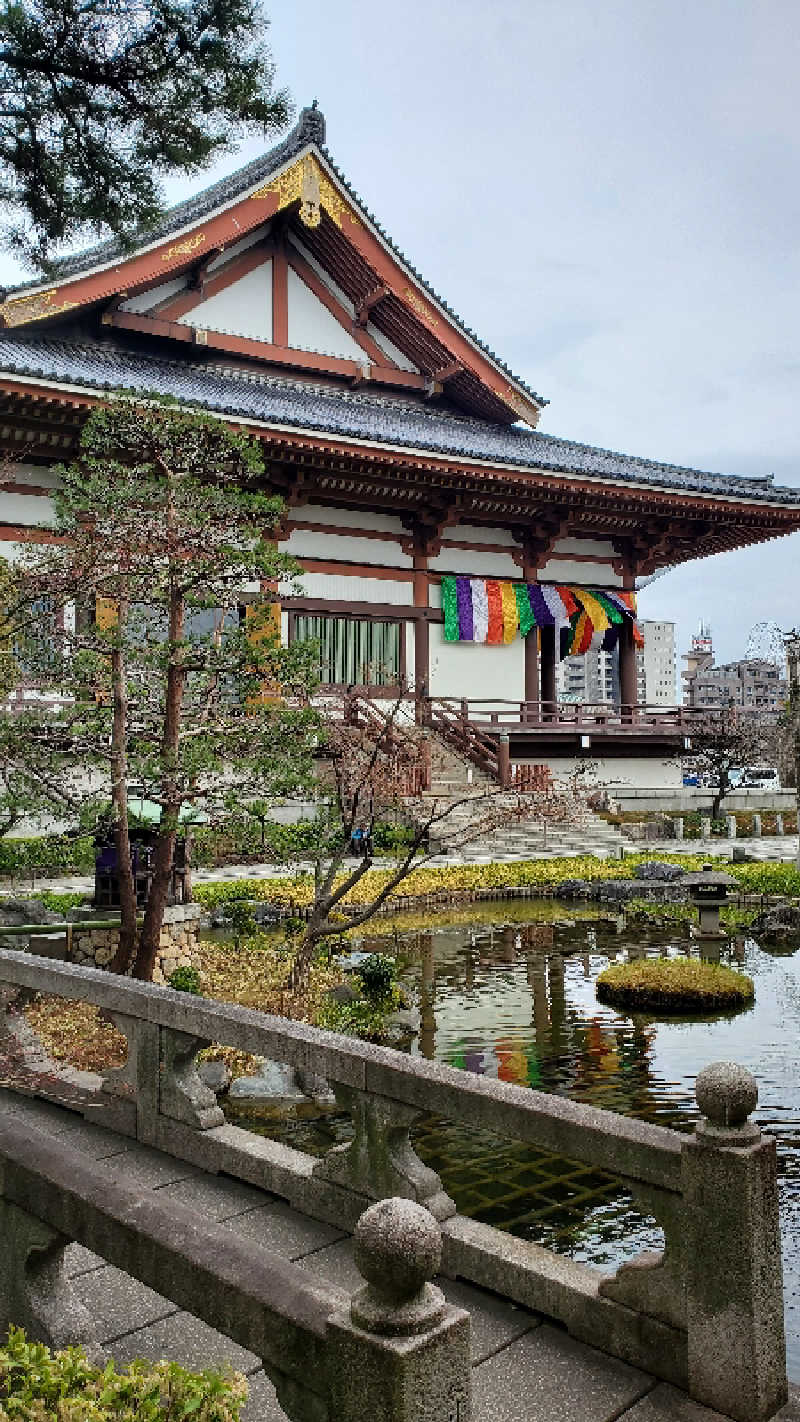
[(394, 1352), (705, 1314)]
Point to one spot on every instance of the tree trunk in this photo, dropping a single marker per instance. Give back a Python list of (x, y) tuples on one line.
[(171, 802), (119, 800)]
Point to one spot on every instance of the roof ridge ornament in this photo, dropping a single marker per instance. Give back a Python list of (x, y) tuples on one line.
[(311, 125), (306, 180)]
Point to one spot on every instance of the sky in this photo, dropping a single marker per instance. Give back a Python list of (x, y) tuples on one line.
[(607, 191)]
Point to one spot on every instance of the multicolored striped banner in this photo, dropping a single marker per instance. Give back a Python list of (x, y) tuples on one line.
[(493, 610)]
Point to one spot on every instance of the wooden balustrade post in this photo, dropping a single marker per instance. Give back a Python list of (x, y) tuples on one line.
[(503, 762)]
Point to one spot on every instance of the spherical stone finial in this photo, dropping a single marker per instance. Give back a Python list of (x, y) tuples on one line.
[(398, 1249), (726, 1094)]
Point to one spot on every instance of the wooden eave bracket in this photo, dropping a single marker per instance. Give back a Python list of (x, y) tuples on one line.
[(536, 545), (369, 301)]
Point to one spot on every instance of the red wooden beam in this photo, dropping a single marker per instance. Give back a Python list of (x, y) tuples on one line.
[(306, 273), (211, 283), (266, 351), (280, 296)]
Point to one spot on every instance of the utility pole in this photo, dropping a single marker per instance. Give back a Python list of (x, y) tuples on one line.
[(791, 641)]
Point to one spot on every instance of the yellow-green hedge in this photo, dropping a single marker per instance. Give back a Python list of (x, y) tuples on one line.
[(542, 874)]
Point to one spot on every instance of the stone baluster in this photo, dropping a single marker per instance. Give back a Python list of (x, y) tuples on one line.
[(182, 1095), (705, 827), (731, 821), (380, 1160), (400, 1353), (736, 1347), (756, 826), (654, 1282), (779, 823), (35, 1292)]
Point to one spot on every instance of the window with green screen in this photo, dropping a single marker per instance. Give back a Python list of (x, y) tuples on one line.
[(353, 652)]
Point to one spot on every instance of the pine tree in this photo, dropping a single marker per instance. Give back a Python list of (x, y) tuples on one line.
[(99, 102), (135, 612)]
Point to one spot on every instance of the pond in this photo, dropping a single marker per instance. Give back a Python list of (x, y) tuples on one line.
[(509, 991)]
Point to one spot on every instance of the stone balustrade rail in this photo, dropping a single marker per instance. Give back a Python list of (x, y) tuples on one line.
[(402, 1348), (706, 1313)]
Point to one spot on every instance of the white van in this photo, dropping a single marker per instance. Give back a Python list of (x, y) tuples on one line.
[(760, 777)]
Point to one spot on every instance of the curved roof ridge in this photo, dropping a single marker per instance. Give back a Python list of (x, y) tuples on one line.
[(314, 408), (309, 129)]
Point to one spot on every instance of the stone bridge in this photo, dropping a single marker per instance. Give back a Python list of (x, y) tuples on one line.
[(135, 1218)]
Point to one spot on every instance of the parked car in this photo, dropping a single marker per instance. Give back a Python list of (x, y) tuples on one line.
[(761, 777)]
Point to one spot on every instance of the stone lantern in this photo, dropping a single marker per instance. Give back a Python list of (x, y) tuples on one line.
[(708, 890)]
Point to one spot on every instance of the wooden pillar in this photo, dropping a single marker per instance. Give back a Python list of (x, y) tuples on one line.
[(422, 650), (548, 669), (627, 668), (628, 691), (531, 692)]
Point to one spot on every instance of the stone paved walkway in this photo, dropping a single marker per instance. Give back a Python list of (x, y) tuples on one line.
[(525, 1369), (770, 847)]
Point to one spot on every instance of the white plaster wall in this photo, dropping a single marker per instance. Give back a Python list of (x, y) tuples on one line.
[(640, 772), (243, 309), (396, 356), (32, 510), (13, 552), (598, 547), (476, 565), (344, 301), (350, 518), (346, 546), (324, 276), (147, 299), (478, 533), (563, 570), (313, 328), (476, 670), (341, 587), (237, 247)]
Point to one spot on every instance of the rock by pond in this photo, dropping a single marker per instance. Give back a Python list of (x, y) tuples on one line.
[(778, 924)]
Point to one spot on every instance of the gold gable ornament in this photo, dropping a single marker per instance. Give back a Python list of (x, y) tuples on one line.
[(36, 307), (307, 181)]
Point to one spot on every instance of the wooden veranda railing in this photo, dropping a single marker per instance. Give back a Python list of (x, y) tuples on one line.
[(478, 729)]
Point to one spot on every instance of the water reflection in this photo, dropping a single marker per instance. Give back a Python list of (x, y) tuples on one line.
[(515, 999)]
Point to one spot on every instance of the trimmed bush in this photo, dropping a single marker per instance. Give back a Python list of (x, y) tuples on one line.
[(66, 1387), (680, 985), (185, 979)]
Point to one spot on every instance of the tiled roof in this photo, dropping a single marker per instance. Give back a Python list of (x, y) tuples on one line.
[(303, 407), (310, 128)]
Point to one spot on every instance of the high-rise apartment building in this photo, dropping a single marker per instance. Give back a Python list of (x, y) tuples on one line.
[(594, 677), (754, 683), (656, 670)]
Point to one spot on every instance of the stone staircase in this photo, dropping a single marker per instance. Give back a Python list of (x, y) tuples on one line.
[(531, 836)]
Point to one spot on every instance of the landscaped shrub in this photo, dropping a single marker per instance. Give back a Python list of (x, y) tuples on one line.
[(47, 854), (39, 1386), (377, 976), (186, 979), (679, 985)]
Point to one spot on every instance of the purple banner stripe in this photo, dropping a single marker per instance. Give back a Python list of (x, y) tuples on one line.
[(464, 597), (542, 613)]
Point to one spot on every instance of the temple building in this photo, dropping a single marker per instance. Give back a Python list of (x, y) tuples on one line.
[(448, 546)]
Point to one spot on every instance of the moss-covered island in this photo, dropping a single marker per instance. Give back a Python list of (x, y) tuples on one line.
[(674, 985)]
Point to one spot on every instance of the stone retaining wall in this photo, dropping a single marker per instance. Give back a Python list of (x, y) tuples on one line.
[(95, 947)]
